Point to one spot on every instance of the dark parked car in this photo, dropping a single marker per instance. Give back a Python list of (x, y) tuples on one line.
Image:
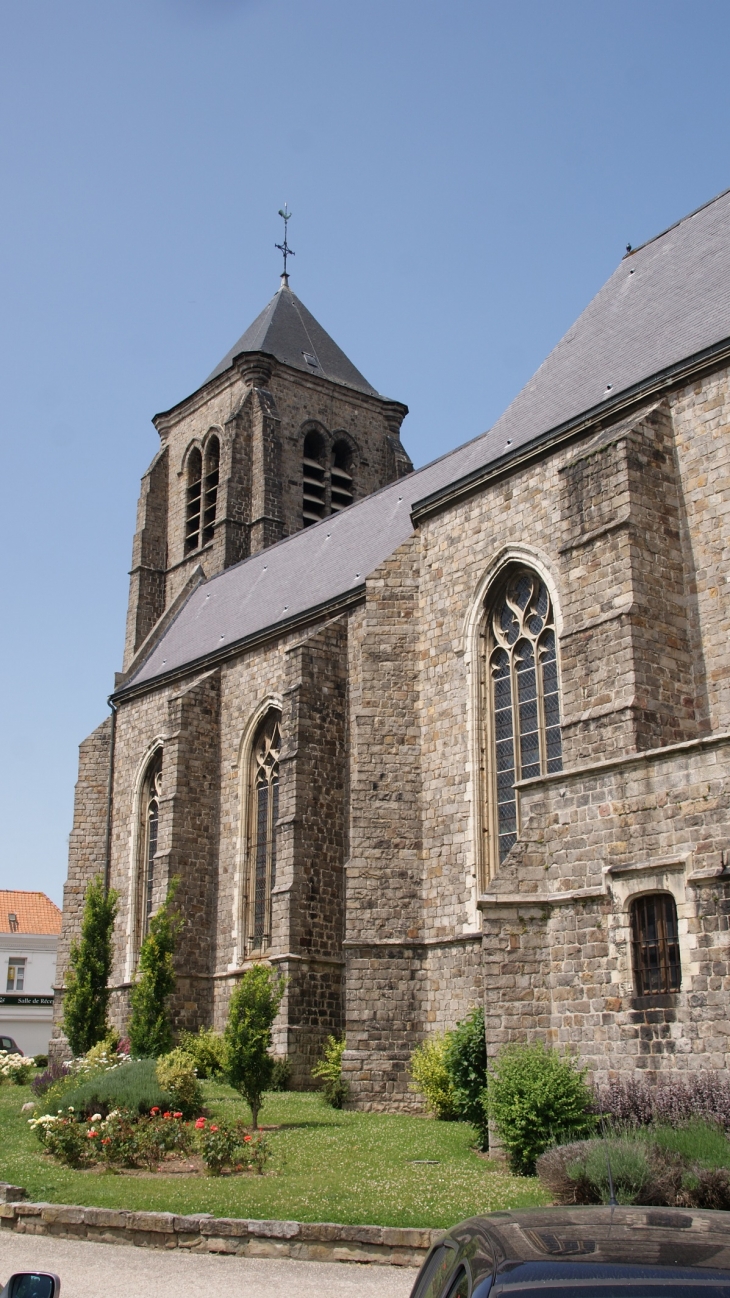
[(577, 1252), (9, 1046)]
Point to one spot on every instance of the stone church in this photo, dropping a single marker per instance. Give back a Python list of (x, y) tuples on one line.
[(427, 740)]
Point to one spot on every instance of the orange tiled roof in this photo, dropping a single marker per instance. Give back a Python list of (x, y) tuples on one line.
[(34, 911)]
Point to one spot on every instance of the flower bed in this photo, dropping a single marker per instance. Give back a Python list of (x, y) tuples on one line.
[(124, 1139)]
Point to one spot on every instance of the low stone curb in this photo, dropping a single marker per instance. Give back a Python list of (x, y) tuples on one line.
[(203, 1233)]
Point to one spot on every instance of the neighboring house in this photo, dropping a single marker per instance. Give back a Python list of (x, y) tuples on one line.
[(428, 740), (30, 924)]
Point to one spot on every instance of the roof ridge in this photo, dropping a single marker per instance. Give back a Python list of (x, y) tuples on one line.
[(673, 226)]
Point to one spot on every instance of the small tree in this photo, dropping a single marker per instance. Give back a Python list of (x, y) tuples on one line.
[(329, 1072), (150, 1032), (87, 994), (253, 1008), (431, 1078), (466, 1063)]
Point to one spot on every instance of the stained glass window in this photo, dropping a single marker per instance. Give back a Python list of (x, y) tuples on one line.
[(263, 817), (524, 704)]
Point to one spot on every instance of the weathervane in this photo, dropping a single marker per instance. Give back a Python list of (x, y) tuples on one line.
[(284, 247)]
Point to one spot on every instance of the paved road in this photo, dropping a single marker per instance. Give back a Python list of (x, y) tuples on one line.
[(89, 1270)]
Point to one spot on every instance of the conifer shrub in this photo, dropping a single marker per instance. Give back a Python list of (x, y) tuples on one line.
[(329, 1072), (465, 1058), (208, 1050), (87, 995), (150, 1031), (430, 1076), (537, 1097), (281, 1074), (254, 1006), (177, 1076)]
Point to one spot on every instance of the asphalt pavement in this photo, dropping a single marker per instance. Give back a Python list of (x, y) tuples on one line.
[(90, 1270)]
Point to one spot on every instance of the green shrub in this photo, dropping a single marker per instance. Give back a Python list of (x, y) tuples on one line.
[(280, 1074), (40, 1061), (64, 1138), (208, 1050), (218, 1145), (176, 1074), (329, 1071), (254, 1006), (465, 1058), (431, 1077), (86, 999), (536, 1096), (150, 1033), (698, 1141), (132, 1086), (15, 1068), (630, 1169)]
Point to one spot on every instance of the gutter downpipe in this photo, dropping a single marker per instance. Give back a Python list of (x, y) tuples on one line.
[(109, 798)]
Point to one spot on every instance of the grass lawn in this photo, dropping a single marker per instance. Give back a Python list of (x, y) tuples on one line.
[(326, 1166)]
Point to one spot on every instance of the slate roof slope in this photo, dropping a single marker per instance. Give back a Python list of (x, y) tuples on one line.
[(668, 301), (34, 912), (287, 330)]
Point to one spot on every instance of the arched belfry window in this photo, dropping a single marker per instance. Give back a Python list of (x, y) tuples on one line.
[(148, 840), (193, 500), (313, 478), (262, 818), (655, 945), (523, 703), (341, 476), (210, 487)]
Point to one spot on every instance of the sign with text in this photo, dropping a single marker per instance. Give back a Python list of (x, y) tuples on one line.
[(25, 1000)]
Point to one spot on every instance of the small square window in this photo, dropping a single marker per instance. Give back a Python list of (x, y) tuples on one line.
[(311, 360), (16, 974)]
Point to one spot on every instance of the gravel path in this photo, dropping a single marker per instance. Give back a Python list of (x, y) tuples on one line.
[(90, 1270)]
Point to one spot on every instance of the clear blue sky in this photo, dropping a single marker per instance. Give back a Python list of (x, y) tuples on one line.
[(463, 176)]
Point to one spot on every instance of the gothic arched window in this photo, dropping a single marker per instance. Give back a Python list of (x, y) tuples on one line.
[(193, 500), (313, 478), (210, 487), (148, 838), (341, 476), (262, 817), (655, 944), (523, 703)]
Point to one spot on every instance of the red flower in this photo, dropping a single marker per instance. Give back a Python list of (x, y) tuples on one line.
[(247, 1138), (212, 1127), (167, 1115), (107, 1140), (90, 1134), (200, 1123), (177, 1114), (154, 1111)]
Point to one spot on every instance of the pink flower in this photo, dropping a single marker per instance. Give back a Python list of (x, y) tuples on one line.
[(200, 1123), (167, 1115), (107, 1140), (212, 1127), (177, 1114), (90, 1134), (153, 1111)]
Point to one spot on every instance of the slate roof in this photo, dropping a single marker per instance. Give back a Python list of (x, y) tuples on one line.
[(287, 330), (35, 912), (666, 302)]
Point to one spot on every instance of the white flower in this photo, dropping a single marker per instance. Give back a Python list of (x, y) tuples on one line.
[(96, 1117)]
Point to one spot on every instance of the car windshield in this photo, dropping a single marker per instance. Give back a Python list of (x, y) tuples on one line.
[(596, 1280)]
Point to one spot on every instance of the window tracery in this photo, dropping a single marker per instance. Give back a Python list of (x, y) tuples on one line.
[(263, 815), (523, 699), (655, 945), (148, 840)]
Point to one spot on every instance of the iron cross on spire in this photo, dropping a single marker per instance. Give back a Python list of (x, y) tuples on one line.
[(284, 247)]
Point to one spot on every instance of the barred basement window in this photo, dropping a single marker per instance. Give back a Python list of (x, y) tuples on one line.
[(193, 500), (263, 815), (523, 703), (341, 476), (150, 810), (212, 468), (655, 945), (314, 487)]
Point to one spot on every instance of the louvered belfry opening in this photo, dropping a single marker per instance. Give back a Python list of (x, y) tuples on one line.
[(193, 500), (341, 477), (212, 469), (524, 703), (655, 945), (314, 474)]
